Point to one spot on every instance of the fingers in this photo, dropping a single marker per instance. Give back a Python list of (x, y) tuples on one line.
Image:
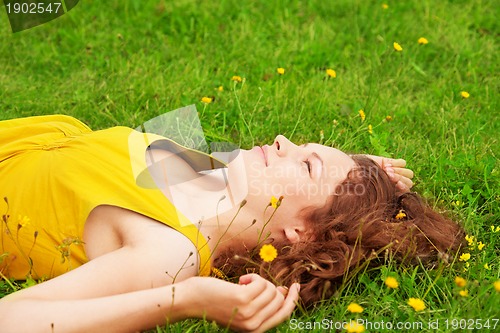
[(403, 172), (285, 311), (398, 163), (255, 283), (400, 177), (266, 302), (246, 279), (404, 184)]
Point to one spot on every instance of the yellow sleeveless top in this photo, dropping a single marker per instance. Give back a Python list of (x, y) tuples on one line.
[(54, 171)]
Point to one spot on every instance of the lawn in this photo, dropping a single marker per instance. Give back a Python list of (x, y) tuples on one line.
[(433, 102)]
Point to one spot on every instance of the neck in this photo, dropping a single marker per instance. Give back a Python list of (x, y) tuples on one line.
[(230, 230), (208, 197)]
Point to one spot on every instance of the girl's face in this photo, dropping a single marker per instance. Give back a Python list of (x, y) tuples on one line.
[(305, 176)]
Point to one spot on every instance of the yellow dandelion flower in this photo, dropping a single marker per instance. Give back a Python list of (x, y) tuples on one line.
[(220, 89), (397, 47), (370, 129), (470, 240), (496, 284), (23, 221), (480, 246), (464, 94), (206, 100), (497, 229), (486, 266), (460, 282), (274, 202), (268, 252), (391, 282), (362, 115), (385, 6), (464, 257), (388, 118), (354, 327), (280, 70), (236, 78), (423, 41), (331, 73), (463, 293), (401, 215), (416, 303), (354, 308)]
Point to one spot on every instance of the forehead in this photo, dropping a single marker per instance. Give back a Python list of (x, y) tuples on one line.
[(328, 152)]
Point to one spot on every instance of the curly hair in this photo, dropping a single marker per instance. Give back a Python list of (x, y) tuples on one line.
[(365, 216)]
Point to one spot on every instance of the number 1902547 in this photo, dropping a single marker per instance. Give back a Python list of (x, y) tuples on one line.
[(33, 8)]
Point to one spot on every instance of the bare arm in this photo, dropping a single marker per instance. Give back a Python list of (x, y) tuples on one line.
[(119, 313), (253, 305), (127, 290)]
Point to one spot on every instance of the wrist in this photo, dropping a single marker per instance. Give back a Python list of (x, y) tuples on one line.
[(182, 299)]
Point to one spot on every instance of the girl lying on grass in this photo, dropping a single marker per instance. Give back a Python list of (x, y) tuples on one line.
[(127, 226)]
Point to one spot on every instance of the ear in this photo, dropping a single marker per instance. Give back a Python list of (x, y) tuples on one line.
[(295, 233)]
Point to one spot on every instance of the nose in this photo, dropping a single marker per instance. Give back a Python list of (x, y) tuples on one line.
[(282, 145)]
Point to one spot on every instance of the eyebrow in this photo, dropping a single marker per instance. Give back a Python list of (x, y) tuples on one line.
[(315, 155)]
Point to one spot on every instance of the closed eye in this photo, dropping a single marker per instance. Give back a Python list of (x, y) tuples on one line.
[(308, 163)]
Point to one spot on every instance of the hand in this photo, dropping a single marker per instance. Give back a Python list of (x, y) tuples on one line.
[(253, 305), (396, 170)]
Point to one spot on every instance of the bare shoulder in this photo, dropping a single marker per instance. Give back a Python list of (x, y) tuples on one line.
[(164, 253)]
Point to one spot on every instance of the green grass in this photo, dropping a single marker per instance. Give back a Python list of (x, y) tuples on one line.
[(124, 62)]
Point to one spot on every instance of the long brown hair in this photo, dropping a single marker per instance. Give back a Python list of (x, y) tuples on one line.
[(365, 216)]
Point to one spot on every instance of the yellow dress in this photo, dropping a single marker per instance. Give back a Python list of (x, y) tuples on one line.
[(54, 171)]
